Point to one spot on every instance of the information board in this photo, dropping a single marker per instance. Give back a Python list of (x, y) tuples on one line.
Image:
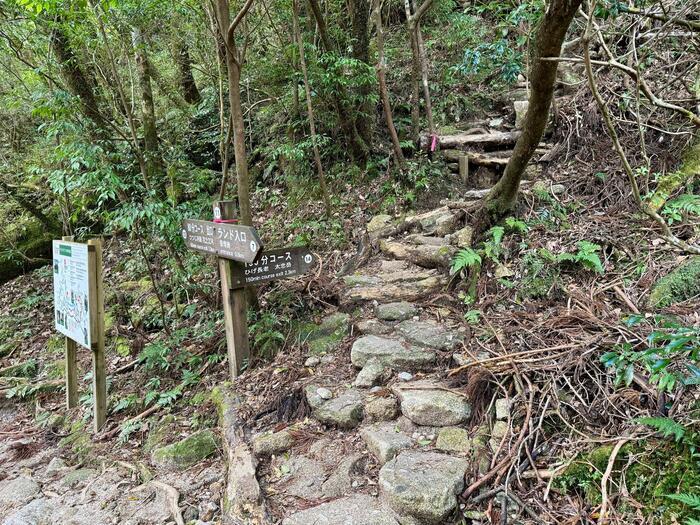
[(71, 291), (279, 264), (228, 241)]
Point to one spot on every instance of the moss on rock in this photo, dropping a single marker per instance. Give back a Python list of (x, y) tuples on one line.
[(328, 335), (681, 284), (186, 452)]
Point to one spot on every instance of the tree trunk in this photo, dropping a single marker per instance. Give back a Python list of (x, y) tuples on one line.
[(423, 61), (233, 66), (310, 109), (548, 40), (419, 67), (383, 90), (154, 163), (79, 83), (360, 52), (184, 68), (359, 149)]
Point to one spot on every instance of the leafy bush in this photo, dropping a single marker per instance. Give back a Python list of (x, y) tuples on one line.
[(670, 355)]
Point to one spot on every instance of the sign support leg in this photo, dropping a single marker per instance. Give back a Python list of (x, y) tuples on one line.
[(71, 364), (234, 301), (99, 375)]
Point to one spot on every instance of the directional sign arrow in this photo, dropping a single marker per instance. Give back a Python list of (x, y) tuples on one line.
[(228, 241)]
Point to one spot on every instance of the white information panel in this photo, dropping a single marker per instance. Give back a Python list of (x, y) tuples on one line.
[(71, 291)]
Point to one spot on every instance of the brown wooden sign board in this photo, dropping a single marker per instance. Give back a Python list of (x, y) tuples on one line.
[(279, 264), (228, 241)]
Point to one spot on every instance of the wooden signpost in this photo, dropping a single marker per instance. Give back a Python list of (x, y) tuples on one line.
[(242, 262), (79, 315)]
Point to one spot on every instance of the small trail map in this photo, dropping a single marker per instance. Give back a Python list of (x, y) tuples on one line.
[(71, 291)]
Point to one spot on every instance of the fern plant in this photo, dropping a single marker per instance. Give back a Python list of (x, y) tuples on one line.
[(465, 259), (676, 209), (586, 256), (692, 501)]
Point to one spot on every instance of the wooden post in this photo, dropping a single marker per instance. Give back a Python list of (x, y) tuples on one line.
[(234, 299), (464, 168), (99, 374), (71, 363)]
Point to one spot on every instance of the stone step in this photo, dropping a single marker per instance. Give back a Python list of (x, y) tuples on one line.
[(359, 509), (390, 353), (391, 280), (426, 255), (385, 441), (343, 410), (422, 486), (429, 404), (429, 334)]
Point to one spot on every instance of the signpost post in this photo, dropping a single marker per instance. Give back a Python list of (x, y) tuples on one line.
[(79, 315), (242, 263)]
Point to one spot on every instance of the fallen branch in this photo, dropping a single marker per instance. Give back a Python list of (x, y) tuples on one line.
[(606, 477)]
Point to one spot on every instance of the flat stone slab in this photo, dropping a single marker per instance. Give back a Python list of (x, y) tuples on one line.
[(373, 327), (17, 491), (423, 485), (384, 441), (306, 477), (359, 509), (390, 352), (428, 334), (343, 411), (426, 405), (399, 311)]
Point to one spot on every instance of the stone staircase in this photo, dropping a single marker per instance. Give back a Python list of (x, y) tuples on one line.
[(391, 445)]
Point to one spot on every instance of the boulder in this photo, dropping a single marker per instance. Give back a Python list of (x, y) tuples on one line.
[(423, 486), (359, 509), (390, 353), (385, 441), (373, 373), (343, 411), (186, 452), (463, 238), (439, 221), (381, 226), (428, 334), (39, 511), (520, 107), (269, 444), (453, 439), (399, 311), (431, 406), (381, 408)]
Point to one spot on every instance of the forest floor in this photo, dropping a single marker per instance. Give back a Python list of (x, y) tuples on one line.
[(499, 376)]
